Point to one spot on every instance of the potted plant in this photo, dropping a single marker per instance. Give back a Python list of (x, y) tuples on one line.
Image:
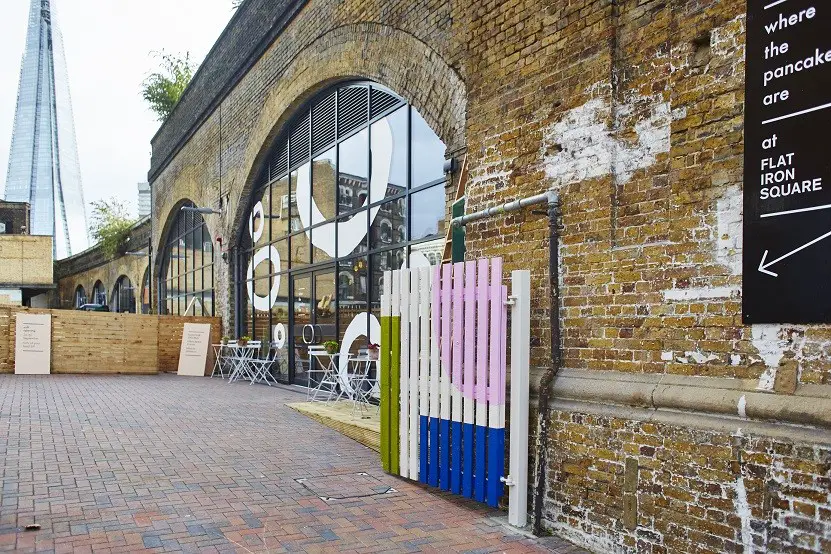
[(372, 351), (243, 340), (331, 346), (224, 340)]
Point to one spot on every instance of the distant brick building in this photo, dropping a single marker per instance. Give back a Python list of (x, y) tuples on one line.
[(670, 426), (14, 218)]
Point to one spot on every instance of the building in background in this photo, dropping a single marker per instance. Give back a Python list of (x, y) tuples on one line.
[(43, 161), (25, 260), (143, 199)]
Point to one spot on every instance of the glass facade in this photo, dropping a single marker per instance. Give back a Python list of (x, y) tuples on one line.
[(99, 294), (353, 187), (43, 161), (186, 283), (80, 296)]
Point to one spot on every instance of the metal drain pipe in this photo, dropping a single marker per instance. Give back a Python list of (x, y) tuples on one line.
[(552, 198), (544, 198)]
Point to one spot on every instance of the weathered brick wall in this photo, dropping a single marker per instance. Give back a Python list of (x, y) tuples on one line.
[(92, 265), (633, 112)]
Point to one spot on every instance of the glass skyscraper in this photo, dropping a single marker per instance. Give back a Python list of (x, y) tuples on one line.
[(43, 162)]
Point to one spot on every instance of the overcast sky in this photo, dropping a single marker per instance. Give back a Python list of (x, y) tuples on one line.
[(108, 45)]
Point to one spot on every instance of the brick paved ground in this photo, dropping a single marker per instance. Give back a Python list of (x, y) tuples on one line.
[(126, 464)]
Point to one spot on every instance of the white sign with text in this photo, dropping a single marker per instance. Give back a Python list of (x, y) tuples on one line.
[(33, 344), (193, 355)]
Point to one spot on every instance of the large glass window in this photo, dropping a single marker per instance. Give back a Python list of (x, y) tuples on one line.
[(356, 186), (80, 296), (123, 300), (186, 286)]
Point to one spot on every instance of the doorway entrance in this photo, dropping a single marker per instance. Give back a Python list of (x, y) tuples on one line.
[(313, 311)]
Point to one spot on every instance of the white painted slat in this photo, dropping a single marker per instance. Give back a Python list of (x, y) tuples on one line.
[(413, 386), (404, 418)]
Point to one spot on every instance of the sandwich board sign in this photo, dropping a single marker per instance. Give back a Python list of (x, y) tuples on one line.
[(33, 344), (787, 179), (193, 354)]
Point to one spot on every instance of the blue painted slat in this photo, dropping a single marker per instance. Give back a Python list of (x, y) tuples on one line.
[(423, 449), (456, 457), (481, 473), (467, 461), (433, 463), (496, 462), (444, 454)]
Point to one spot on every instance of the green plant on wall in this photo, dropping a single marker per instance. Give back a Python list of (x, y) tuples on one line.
[(110, 226), (163, 89)]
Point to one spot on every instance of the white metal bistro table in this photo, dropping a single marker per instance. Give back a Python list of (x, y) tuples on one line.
[(328, 370), (362, 383), (240, 359)]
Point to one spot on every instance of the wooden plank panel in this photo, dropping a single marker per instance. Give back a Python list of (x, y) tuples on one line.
[(482, 329), (435, 377)]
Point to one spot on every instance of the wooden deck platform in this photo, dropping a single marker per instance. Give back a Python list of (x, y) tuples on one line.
[(338, 416)]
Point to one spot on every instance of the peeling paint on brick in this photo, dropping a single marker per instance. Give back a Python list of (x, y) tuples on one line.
[(586, 149)]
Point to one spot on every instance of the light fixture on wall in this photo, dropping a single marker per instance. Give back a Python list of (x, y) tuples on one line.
[(451, 165), (203, 211)]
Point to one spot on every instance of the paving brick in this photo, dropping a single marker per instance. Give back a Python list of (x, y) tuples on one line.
[(197, 465)]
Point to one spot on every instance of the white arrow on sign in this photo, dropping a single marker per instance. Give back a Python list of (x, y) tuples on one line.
[(763, 267)]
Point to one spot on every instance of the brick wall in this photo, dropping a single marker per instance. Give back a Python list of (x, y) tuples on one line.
[(633, 111)]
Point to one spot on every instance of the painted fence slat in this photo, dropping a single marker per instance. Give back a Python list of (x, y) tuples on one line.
[(482, 328), (404, 421), (395, 371), (435, 378), (443, 376), (384, 377), (444, 402), (456, 389), (468, 408), (496, 429), (424, 372), (415, 343)]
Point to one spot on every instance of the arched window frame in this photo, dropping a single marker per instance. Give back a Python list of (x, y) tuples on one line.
[(186, 276)]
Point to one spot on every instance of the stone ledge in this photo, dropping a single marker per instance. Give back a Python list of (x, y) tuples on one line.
[(737, 398)]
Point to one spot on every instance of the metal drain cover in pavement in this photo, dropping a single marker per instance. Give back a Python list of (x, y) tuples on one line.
[(345, 486)]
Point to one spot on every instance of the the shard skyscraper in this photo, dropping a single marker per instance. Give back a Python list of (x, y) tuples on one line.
[(43, 161)]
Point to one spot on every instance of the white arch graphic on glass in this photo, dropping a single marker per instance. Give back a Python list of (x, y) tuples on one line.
[(256, 234), (355, 329), (279, 335), (263, 303), (353, 231)]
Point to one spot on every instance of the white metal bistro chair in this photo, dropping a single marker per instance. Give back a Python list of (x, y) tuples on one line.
[(261, 367), (326, 387), (222, 364)]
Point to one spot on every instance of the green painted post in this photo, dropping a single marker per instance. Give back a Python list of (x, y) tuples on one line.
[(385, 392)]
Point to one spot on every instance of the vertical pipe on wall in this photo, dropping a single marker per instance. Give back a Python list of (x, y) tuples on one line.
[(544, 395)]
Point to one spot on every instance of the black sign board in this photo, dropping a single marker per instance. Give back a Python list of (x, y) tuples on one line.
[(787, 170)]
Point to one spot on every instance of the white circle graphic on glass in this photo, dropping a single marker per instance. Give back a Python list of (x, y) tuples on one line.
[(263, 303), (356, 328), (279, 335), (256, 234), (353, 231)]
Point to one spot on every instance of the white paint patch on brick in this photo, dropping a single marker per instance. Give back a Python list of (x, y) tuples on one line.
[(766, 339), (743, 511), (666, 356), (729, 228), (701, 357), (742, 407), (589, 541), (587, 149), (709, 293)]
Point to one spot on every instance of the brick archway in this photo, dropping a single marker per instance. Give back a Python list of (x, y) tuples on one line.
[(371, 51)]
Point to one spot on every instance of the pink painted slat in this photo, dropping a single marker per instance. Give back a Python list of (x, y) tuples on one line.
[(503, 354), (470, 317), (495, 331), (458, 325), (446, 289), (483, 293)]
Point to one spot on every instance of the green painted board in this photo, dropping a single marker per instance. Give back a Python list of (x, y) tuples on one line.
[(457, 234), (385, 393)]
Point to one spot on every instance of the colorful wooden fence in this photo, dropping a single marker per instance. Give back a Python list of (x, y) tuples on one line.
[(443, 376)]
